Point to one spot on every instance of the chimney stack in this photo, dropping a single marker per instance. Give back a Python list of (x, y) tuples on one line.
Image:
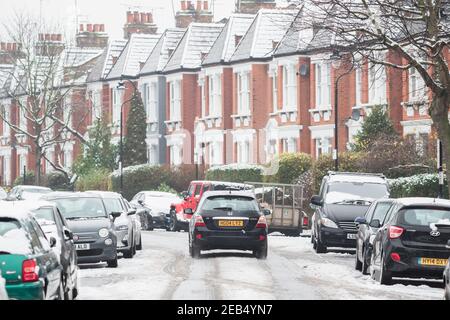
[(139, 22), (93, 37), (253, 6), (9, 52), (189, 13)]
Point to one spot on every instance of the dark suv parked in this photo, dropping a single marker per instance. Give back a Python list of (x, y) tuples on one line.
[(342, 198)]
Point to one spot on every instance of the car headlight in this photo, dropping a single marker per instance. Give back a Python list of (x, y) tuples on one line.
[(328, 223), (103, 233), (122, 227)]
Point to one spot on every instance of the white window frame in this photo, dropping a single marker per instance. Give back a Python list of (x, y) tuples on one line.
[(153, 154), (96, 105), (175, 100), (176, 157), (215, 95), (358, 86), (377, 84), (417, 88), (243, 93), (151, 101), (323, 85), (6, 127), (243, 152), (275, 92), (289, 87), (323, 146), (117, 106)]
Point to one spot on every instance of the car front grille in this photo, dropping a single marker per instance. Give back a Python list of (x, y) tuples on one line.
[(89, 253), (348, 226)]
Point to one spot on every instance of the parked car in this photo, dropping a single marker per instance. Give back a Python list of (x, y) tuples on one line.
[(343, 197), (27, 262), (178, 219), (27, 193), (127, 231), (93, 228), (228, 220), (367, 228), (54, 225), (447, 281), (414, 242), (154, 208)]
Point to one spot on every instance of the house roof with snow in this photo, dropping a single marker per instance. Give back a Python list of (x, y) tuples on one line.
[(226, 43), (136, 51), (264, 34), (162, 51), (196, 42), (106, 61)]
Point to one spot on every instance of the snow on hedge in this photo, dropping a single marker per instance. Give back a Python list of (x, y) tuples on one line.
[(421, 185), (132, 169), (237, 166)]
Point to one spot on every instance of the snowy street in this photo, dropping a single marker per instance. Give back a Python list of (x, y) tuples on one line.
[(164, 270)]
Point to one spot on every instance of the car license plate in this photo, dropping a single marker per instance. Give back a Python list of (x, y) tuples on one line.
[(231, 223), (82, 246), (351, 236), (433, 262)]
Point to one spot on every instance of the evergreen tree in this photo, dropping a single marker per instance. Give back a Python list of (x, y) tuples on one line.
[(376, 126), (99, 153), (135, 146)]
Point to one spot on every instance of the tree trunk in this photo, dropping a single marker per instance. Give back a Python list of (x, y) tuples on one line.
[(439, 114), (37, 166)]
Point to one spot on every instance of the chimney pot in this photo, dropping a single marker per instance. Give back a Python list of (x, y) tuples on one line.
[(48, 37), (89, 27), (136, 17), (149, 17), (41, 37), (143, 17), (130, 17), (81, 27), (205, 5), (59, 37), (102, 28), (9, 46), (14, 46), (183, 5), (3, 46), (189, 5), (54, 37), (199, 5)]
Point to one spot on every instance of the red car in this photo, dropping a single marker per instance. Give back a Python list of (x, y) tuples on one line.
[(178, 220)]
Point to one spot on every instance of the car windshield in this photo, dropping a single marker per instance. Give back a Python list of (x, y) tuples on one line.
[(426, 217), (113, 205), (44, 216), (81, 207), (350, 192), (13, 238), (381, 210), (230, 203)]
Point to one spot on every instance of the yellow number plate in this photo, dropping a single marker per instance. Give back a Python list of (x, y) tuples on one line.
[(231, 223), (433, 262)]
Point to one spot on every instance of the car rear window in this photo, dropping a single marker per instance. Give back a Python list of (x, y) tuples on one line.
[(76, 208), (341, 191), (230, 203), (44, 216), (13, 238), (425, 216)]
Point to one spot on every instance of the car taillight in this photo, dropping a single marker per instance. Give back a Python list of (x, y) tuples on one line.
[(395, 257), (262, 223), (30, 271), (305, 221), (395, 232), (199, 222)]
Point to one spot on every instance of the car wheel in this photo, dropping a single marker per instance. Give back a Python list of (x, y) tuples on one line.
[(365, 262), (261, 253), (112, 263), (139, 246), (385, 276), (195, 251), (358, 264), (320, 248), (173, 226), (149, 223)]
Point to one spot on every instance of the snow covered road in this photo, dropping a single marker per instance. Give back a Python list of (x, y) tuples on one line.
[(164, 270)]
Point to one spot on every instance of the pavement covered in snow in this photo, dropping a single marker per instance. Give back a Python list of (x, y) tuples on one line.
[(164, 270)]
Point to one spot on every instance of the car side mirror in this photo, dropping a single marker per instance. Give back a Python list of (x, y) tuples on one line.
[(188, 211), (52, 242), (316, 201), (141, 202), (185, 195), (375, 223), (360, 220), (131, 212), (266, 212), (68, 234), (115, 215)]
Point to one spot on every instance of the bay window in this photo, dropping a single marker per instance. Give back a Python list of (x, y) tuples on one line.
[(117, 106), (243, 93), (151, 101), (323, 146), (323, 85), (290, 87), (215, 95), (377, 84), (175, 100)]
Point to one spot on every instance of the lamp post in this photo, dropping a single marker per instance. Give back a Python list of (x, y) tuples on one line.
[(440, 169), (336, 63), (121, 88)]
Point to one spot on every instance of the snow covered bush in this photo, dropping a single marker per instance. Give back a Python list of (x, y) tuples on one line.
[(422, 185), (95, 179), (236, 173)]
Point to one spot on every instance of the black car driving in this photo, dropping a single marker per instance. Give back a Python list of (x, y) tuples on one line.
[(228, 220), (343, 197), (367, 228), (414, 242)]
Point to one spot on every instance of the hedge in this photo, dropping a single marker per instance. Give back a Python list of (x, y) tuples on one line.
[(148, 177), (422, 185), (95, 179), (236, 173), (291, 167)]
